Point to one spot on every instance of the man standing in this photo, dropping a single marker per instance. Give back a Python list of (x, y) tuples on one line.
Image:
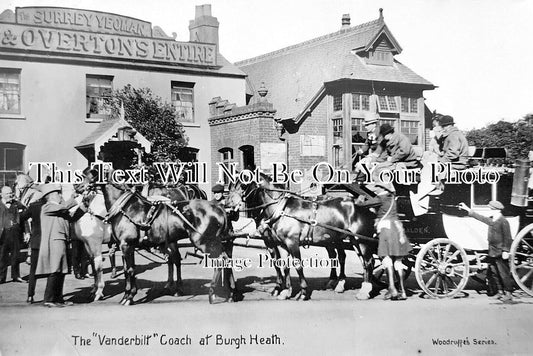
[(454, 146), (54, 238), (34, 213), (500, 240), (10, 235)]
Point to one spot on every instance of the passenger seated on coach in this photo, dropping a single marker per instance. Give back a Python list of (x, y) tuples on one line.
[(454, 144), (399, 149)]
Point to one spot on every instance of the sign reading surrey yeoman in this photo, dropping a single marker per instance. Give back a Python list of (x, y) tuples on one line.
[(93, 33)]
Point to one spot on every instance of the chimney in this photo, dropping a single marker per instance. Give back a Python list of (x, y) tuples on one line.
[(345, 21), (204, 27)]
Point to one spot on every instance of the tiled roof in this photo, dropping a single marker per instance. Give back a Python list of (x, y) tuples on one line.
[(101, 129), (293, 75)]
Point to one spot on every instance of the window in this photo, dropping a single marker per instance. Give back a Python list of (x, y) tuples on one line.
[(182, 98), (387, 103), (226, 157), (337, 102), (9, 91), (247, 157), (410, 129), (391, 122), (409, 105), (11, 162), (380, 57), (360, 101), (337, 127), (99, 90), (358, 130)]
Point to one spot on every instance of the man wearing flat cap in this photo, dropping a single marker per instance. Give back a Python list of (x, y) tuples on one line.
[(500, 240), (454, 144), (55, 230)]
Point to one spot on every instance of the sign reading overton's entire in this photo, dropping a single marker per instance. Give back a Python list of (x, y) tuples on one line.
[(92, 33)]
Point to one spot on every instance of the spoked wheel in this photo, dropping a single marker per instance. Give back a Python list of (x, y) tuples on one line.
[(521, 259), (442, 268)]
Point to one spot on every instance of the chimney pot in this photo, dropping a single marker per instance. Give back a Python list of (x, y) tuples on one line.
[(345, 21)]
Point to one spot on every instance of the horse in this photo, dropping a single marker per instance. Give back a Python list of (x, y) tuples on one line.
[(203, 222), (94, 231), (290, 221)]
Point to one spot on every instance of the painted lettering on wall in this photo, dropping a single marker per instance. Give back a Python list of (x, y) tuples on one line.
[(83, 20), (106, 45)]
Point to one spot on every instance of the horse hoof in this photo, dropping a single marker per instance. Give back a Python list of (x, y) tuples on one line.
[(275, 291), (284, 294), (98, 296), (114, 273), (364, 292), (330, 285), (340, 286)]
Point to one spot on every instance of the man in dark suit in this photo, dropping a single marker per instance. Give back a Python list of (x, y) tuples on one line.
[(34, 213), (10, 235)]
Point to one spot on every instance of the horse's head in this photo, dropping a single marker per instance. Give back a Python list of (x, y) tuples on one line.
[(90, 177), (239, 192)]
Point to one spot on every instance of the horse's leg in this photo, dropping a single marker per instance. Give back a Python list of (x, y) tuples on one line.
[(280, 280), (94, 248), (286, 291), (112, 259), (333, 272), (294, 249), (171, 250), (368, 268), (129, 272), (342, 275)]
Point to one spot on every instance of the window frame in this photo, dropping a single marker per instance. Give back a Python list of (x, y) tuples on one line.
[(388, 100), (362, 106), (335, 101), (409, 128), (411, 102), (98, 116), (4, 171), (5, 73), (226, 161), (185, 89)]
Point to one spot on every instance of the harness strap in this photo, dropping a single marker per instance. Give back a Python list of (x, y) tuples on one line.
[(176, 211)]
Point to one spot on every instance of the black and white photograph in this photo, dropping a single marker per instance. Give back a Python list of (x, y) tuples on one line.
[(266, 177)]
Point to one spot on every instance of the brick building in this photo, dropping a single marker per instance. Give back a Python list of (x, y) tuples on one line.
[(320, 92)]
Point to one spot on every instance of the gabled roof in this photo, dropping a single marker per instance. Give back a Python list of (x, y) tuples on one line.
[(105, 131), (294, 75)]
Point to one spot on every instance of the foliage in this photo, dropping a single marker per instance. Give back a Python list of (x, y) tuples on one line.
[(152, 118), (516, 137)]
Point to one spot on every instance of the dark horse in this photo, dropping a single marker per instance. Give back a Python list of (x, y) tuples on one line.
[(291, 221), (139, 222)]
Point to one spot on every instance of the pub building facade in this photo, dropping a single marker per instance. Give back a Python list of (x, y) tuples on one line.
[(59, 65), (311, 100)]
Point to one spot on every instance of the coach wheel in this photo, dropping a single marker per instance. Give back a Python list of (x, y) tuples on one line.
[(441, 268), (521, 259)]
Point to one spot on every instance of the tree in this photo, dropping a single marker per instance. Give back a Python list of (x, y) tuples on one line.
[(516, 137), (152, 118)]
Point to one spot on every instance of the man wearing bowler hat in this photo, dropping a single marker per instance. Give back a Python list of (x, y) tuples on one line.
[(10, 235), (500, 240), (454, 144), (54, 238)]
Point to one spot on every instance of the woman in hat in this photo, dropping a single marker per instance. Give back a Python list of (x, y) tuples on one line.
[(393, 244), (500, 240), (54, 238)]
